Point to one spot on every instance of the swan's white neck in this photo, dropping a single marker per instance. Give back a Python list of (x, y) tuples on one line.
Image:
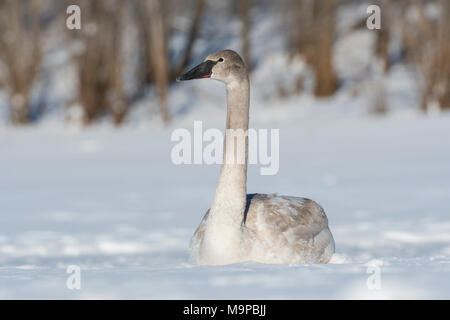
[(230, 197), (222, 238)]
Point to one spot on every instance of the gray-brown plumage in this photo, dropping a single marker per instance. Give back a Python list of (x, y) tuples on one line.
[(286, 229), (259, 227)]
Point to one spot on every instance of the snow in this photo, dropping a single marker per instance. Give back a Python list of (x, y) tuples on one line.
[(111, 202)]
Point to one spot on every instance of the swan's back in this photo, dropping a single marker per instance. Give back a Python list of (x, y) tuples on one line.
[(285, 229), (279, 229)]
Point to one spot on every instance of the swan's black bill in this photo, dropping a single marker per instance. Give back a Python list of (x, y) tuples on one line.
[(203, 70)]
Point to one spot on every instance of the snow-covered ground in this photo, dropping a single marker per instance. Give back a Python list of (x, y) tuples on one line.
[(112, 202)]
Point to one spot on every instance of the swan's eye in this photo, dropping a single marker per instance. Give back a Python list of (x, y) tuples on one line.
[(220, 60)]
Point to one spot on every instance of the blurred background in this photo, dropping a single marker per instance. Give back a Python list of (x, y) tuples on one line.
[(121, 65)]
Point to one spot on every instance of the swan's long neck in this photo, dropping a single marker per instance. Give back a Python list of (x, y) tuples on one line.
[(223, 237), (230, 198)]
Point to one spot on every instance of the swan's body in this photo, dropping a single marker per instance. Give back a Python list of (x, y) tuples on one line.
[(240, 227), (275, 229)]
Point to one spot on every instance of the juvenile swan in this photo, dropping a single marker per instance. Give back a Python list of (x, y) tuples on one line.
[(255, 227)]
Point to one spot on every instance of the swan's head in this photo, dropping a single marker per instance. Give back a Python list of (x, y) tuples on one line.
[(226, 66)]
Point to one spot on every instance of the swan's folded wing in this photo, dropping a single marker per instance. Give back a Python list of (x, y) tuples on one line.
[(293, 217)]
